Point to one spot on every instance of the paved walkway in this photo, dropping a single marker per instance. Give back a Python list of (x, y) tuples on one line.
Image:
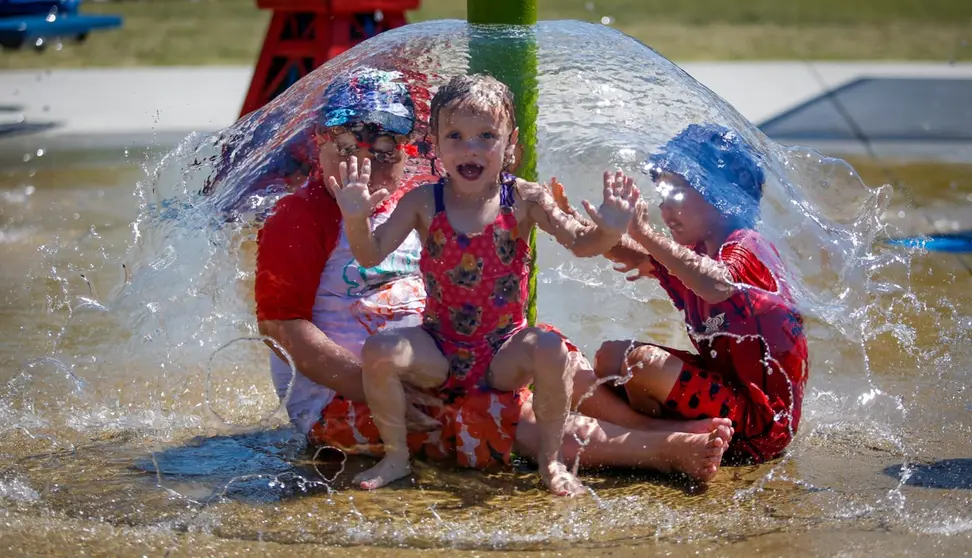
[(159, 106)]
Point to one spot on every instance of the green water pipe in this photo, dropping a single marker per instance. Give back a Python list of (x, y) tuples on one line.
[(503, 12), (512, 60)]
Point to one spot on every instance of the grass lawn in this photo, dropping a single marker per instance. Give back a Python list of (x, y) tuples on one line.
[(230, 32)]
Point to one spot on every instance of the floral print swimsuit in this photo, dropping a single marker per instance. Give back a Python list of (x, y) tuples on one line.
[(477, 286)]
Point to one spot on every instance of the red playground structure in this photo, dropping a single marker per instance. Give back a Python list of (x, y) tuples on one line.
[(303, 34)]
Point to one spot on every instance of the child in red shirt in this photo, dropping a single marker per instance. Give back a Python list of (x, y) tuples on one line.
[(752, 361)]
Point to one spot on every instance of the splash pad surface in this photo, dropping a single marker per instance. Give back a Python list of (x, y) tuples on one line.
[(107, 436)]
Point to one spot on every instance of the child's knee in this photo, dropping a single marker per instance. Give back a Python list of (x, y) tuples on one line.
[(548, 346), (548, 351), (646, 359), (609, 358)]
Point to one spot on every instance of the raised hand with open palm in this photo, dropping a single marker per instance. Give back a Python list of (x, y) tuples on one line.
[(352, 192)]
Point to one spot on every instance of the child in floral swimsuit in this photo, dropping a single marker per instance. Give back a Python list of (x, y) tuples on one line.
[(475, 261), (477, 288)]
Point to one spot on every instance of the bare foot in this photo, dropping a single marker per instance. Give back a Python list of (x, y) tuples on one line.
[(560, 481), (699, 426), (699, 455), (703, 426), (389, 469)]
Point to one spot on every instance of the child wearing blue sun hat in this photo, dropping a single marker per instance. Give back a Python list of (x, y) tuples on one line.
[(751, 361)]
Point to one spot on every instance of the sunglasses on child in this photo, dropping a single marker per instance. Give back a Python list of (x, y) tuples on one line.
[(382, 144)]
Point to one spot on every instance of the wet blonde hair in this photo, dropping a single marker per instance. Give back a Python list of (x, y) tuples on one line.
[(478, 90)]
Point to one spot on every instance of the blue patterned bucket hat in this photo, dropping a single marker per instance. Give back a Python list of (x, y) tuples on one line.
[(370, 96), (719, 165)]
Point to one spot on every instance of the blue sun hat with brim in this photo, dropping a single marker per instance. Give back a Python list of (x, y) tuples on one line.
[(719, 165), (370, 96)]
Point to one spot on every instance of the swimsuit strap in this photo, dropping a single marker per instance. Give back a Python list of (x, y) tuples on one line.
[(439, 191), (507, 186)]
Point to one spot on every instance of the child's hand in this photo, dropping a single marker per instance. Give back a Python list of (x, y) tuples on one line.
[(628, 256), (417, 420), (641, 266), (352, 193), (560, 196), (641, 222), (620, 198)]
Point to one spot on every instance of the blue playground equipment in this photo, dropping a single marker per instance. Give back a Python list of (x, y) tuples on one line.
[(36, 22), (954, 243)]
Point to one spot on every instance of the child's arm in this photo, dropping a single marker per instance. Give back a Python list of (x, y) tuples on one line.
[(582, 237), (708, 278), (357, 203), (627, 253)]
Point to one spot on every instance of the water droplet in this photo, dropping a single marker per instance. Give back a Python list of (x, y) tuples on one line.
[(40, 152), (29, 190), (607, 20), (901, 214), (76, 216), (626, 155), (379, 15), (27, 157), (869, 396)]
